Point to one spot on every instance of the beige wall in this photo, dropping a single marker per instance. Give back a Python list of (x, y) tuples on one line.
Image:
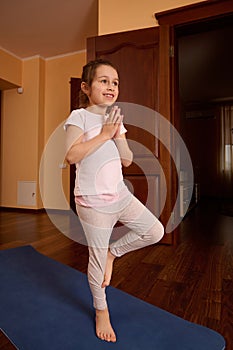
[(58, 74), (121, 15), (28, 120), (20, 133), (31, 119), (57, 108), (10, 70)]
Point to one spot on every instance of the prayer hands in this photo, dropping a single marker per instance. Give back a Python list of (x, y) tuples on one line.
[(111, 128)]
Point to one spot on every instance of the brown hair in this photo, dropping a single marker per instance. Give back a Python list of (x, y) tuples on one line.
[(88, 75)]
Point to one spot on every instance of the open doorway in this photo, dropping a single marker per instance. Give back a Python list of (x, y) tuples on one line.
[(205, 71)]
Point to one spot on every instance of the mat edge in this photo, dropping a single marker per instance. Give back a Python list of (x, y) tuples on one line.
[(2, 330)]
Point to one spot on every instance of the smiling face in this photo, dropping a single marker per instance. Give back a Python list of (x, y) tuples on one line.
[(104, 89)]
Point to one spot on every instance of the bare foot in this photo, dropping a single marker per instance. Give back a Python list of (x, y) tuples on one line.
[(108, 269), (104, 329)]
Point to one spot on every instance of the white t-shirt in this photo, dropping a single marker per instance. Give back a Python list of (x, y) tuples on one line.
[(99, 173)]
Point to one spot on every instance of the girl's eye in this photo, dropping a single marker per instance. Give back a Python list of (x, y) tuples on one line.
[(105, 81)]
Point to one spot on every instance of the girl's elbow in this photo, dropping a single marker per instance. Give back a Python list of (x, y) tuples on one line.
[(127, 162), (70, 159)]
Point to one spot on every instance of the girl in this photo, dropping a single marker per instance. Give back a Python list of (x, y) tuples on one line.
[(97, 144)]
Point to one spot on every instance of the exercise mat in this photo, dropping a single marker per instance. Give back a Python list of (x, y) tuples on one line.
[(47, 305)]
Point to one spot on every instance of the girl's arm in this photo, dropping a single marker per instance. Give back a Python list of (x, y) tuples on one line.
[(125, 153), (76, 149)]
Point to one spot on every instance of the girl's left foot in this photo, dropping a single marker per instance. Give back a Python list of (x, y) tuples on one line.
[(104, 329), (108, 269)]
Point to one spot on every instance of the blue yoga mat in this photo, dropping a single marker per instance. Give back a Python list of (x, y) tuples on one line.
[(46, 305)]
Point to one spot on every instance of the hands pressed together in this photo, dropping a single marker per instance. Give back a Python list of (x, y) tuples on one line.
[(111, 128), (78, 149)]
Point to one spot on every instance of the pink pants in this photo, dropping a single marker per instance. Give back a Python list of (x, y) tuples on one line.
[(145, 229)]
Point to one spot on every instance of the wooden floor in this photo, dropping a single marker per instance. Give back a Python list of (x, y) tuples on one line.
[(193, 280)]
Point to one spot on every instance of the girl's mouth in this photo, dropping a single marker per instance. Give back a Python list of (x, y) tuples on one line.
[(109, 95)]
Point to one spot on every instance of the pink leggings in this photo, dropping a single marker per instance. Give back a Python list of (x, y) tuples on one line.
[(145, 229)]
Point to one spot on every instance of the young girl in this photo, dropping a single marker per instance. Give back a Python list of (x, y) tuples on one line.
[(97, 144)]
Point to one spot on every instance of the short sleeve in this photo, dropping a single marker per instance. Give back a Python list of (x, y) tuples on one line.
[(123, 129), (75, 118)]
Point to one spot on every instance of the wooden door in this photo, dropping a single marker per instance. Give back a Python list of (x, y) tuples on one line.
[(147, 63), (144, 73)]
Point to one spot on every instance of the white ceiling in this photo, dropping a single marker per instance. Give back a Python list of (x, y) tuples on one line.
[(46, 27)]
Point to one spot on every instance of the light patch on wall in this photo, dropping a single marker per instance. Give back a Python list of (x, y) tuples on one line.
[(26, 193)]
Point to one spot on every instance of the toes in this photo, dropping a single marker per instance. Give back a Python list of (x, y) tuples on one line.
[(113, 338), (101, 336), (107, 337), (110, 338)]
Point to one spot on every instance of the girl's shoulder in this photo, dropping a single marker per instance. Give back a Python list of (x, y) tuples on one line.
[(77, 117), (84, 119), (83, 113), (78, 112)]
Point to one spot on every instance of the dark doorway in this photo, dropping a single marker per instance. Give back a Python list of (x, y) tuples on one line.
[(205, 70)]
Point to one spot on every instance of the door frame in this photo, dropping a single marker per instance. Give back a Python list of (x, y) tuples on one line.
[(194, 13), (169, 21), (75, 86)]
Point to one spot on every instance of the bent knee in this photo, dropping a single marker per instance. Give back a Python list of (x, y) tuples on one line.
[(157, 232)]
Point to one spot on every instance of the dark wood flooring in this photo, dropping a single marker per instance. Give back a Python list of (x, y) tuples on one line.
[(193, 280)]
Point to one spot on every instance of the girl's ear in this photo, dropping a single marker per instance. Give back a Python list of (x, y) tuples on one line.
[(84, 87)]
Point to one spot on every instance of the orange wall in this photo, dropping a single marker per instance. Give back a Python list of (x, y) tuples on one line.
[(10, 68), (28, 120), (57, 108), (20, 126), (121, 15), (58, 74)]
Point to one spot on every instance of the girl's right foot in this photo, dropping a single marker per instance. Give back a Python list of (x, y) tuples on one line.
[(108, 269), (104, 329)]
